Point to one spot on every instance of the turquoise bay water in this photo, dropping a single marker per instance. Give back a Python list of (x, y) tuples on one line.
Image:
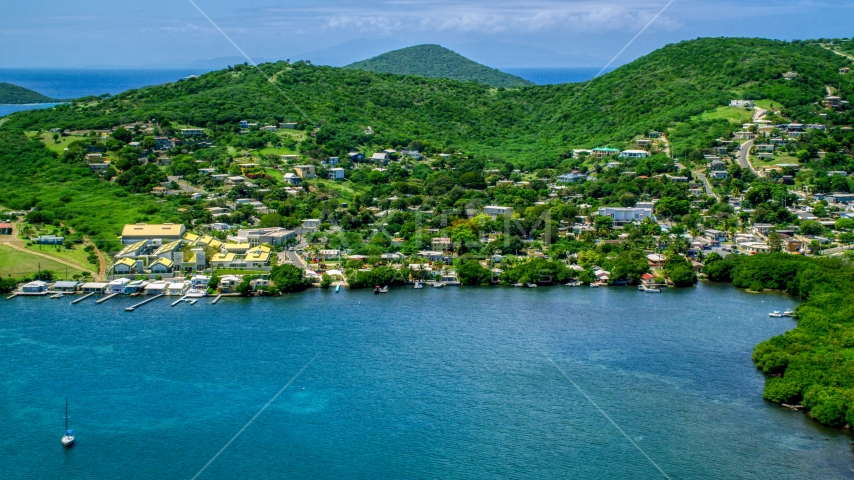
[(432, 383)]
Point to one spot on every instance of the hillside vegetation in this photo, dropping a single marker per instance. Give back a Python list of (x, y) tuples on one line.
[(530, 127), (435, 61), (13, 94)]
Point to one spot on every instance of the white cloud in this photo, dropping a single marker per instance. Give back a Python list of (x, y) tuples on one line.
[(499, 17)]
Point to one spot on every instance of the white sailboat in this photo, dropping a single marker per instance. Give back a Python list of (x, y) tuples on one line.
[(68, 438)]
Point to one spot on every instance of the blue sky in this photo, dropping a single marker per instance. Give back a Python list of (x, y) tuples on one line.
[(499, 33)]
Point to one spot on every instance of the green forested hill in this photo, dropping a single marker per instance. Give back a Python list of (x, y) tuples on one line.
[(435, 61), (533, 127), (13, 94)]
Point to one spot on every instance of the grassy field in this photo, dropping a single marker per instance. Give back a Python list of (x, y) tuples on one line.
[(275, 173), (76, 255), (768, 104), (277, 151), (777, 160), (734, 115), (17, 264), (237, 271), (64, 141)]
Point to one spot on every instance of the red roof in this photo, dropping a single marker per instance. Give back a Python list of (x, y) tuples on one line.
[(647, 276), (5, 225)]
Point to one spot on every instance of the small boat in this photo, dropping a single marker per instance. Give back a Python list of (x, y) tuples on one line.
[(58, 295), (418, 285), (193, 301), (378, 290), (788, 313), (776, 314), (594, 285), (438, 285), (645, 289), (532, 285), (518, 284), (68, 438), (337, 287)]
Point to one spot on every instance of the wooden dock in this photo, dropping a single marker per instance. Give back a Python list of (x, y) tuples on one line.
[(132, 308), (176, 302), (84, 297), (102, 300), (216, 299), (11, 296)]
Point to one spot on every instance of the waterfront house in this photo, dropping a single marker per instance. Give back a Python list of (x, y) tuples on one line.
[(70, 286), (200, 282), (36, 286), (177, 288), (229, 283), (135, 286), (117, 285), (156, 288), (94, 287), (647, 279), (656, 260)]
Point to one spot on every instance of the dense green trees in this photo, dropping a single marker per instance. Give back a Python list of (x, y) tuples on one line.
[(811, 363), (13, 94), (289, 278), (470, 272), (379, 276), (437, 62)]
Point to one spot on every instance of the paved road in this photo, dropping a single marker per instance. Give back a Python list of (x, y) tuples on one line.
[(707, 185), (295, 259), (742, 157)]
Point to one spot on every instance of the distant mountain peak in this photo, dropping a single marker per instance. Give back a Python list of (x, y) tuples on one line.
[(436, 61)]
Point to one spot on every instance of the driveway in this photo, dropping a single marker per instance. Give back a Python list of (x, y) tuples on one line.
[(742, 157)]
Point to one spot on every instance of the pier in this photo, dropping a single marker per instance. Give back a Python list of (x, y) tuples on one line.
[(216, 299), (84, 297), (130, 309), (176, 302), (102, 300), (11, 296)]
